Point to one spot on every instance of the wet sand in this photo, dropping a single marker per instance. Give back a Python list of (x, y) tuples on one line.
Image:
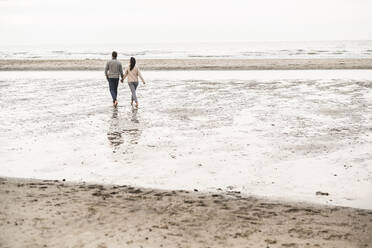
[(193, 64), (50, 213)]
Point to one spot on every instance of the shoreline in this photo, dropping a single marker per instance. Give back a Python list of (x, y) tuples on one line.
[(191, 64), (37, 213)]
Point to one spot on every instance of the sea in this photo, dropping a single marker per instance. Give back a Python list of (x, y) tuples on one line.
[(248, 50)]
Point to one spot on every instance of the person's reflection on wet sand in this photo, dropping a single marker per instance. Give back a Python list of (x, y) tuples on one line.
[(124, 130), (134, 115), (113, 135)]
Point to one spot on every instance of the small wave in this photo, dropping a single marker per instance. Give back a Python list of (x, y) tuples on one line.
[(3, 85), (138, 54), (87, 53), (366, 84), (209, 56), (161, 51), (253, 53)]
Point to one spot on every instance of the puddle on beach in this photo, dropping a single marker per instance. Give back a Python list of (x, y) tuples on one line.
[(278, 134)]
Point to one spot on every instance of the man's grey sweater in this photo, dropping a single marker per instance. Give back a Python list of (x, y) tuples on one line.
[(113, 69)]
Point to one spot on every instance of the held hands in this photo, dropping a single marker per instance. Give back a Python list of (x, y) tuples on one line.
[(122, 80)]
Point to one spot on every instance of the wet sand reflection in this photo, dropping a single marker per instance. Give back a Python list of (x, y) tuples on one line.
[(124, 132)]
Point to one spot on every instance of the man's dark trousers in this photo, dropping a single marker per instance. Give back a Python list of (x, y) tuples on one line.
[(113, 83)]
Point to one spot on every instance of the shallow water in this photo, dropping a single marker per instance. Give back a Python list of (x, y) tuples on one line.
[(281, 134)]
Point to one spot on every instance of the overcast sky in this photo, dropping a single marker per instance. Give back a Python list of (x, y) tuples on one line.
[(122, 21)]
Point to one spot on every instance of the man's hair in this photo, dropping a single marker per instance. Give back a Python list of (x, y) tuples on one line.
[(114, 54)]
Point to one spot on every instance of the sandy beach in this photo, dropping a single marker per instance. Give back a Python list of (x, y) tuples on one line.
[(51, 213), (193, 64)]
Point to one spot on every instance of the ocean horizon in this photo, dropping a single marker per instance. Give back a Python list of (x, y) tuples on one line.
[(228, 50)]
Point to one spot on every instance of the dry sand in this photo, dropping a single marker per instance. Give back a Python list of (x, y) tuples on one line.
[(192, 64), (35, 213)]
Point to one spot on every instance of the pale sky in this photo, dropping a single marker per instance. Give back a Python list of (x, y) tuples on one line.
[(122, 21)]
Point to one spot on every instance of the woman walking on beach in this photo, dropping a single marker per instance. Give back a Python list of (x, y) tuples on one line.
[(133, 73)]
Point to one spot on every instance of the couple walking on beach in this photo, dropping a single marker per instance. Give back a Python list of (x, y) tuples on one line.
[(114, 71)]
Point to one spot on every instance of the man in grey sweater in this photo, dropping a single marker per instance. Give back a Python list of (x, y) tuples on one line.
[(113, 71)]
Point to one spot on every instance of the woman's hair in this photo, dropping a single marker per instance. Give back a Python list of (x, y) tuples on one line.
[(132, 63)]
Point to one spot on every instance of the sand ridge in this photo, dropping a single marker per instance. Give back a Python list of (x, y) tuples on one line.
[(52, 213), (192, 64)]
